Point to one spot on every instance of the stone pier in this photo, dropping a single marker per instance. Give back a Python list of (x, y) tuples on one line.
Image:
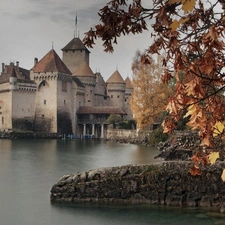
[(168, 183)]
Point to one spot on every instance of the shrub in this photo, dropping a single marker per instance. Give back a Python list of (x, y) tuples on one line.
[(157, 136)]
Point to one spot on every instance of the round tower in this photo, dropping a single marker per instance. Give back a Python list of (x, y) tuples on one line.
[(116, 87), (128, 93), (88, 79), (13, 80)]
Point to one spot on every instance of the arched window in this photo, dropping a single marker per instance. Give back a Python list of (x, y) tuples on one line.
[(43, 84)]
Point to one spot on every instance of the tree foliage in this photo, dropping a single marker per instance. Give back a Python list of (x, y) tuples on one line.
[(191, 32), (113, 119), (150, 94)]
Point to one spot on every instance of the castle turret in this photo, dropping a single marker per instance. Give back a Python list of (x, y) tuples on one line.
[(116, 87), (75, 54), (128, 93), (88, 79), (13, 80)]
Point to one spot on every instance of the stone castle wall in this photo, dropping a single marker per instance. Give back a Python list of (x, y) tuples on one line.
[(70, 56), (128, 136), (168, 183), (6, 110)]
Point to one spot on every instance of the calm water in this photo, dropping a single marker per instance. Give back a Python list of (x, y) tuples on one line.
[(28, 169)]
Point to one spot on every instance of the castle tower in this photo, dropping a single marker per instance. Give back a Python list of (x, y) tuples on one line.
[(116, 89), (128, 93), (13, 80), (75, 54), (88, 79), (53, 112), (17, 98)]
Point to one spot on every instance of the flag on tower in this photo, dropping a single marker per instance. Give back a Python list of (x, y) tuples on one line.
[(75, 32)]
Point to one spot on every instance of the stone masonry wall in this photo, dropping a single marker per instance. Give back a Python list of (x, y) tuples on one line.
[(168, 183), (128, 136)]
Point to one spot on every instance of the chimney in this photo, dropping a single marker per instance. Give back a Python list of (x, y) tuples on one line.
[(3, 67), (17, 63), (35, 61)]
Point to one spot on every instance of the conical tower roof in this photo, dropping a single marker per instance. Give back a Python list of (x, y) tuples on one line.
[(84, 71), (115, 78), (51, 62), (75, 44), (128, 83)]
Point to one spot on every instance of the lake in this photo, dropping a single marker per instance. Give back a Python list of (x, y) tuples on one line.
[(29, 168)]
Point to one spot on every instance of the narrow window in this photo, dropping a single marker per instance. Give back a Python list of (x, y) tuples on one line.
[(44, 102), (64, 86), (64, 102), (2, 120), (111, 96)]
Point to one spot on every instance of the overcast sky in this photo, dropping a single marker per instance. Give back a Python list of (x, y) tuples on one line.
[(28, 28)]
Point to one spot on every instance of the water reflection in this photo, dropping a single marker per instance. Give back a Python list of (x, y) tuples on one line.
[(29, 168), (136, 214)]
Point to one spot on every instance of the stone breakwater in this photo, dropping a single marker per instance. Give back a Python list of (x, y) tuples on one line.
[(168, 183)]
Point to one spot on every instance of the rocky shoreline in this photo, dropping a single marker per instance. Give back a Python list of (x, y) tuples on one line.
[(167, 183), (180, 146), (28, 135)]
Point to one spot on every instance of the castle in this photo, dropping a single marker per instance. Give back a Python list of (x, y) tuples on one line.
[(61, 96)]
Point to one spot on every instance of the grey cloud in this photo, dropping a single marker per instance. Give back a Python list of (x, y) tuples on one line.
[(30, 15), (62, 11)]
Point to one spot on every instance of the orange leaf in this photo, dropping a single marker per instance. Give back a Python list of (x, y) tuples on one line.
[(213, 156), (191, 110), (195, 171), (206, 141), (184, 20), (218, 129), (174, 25), (223, 175), (188, 5)]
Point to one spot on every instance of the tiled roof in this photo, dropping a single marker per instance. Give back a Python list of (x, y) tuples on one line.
[(15, 71), (75, 44), (100, 110), (51, 62), (115, 78), (78, 82), (128, 83), (84, 71), (25, 73)]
